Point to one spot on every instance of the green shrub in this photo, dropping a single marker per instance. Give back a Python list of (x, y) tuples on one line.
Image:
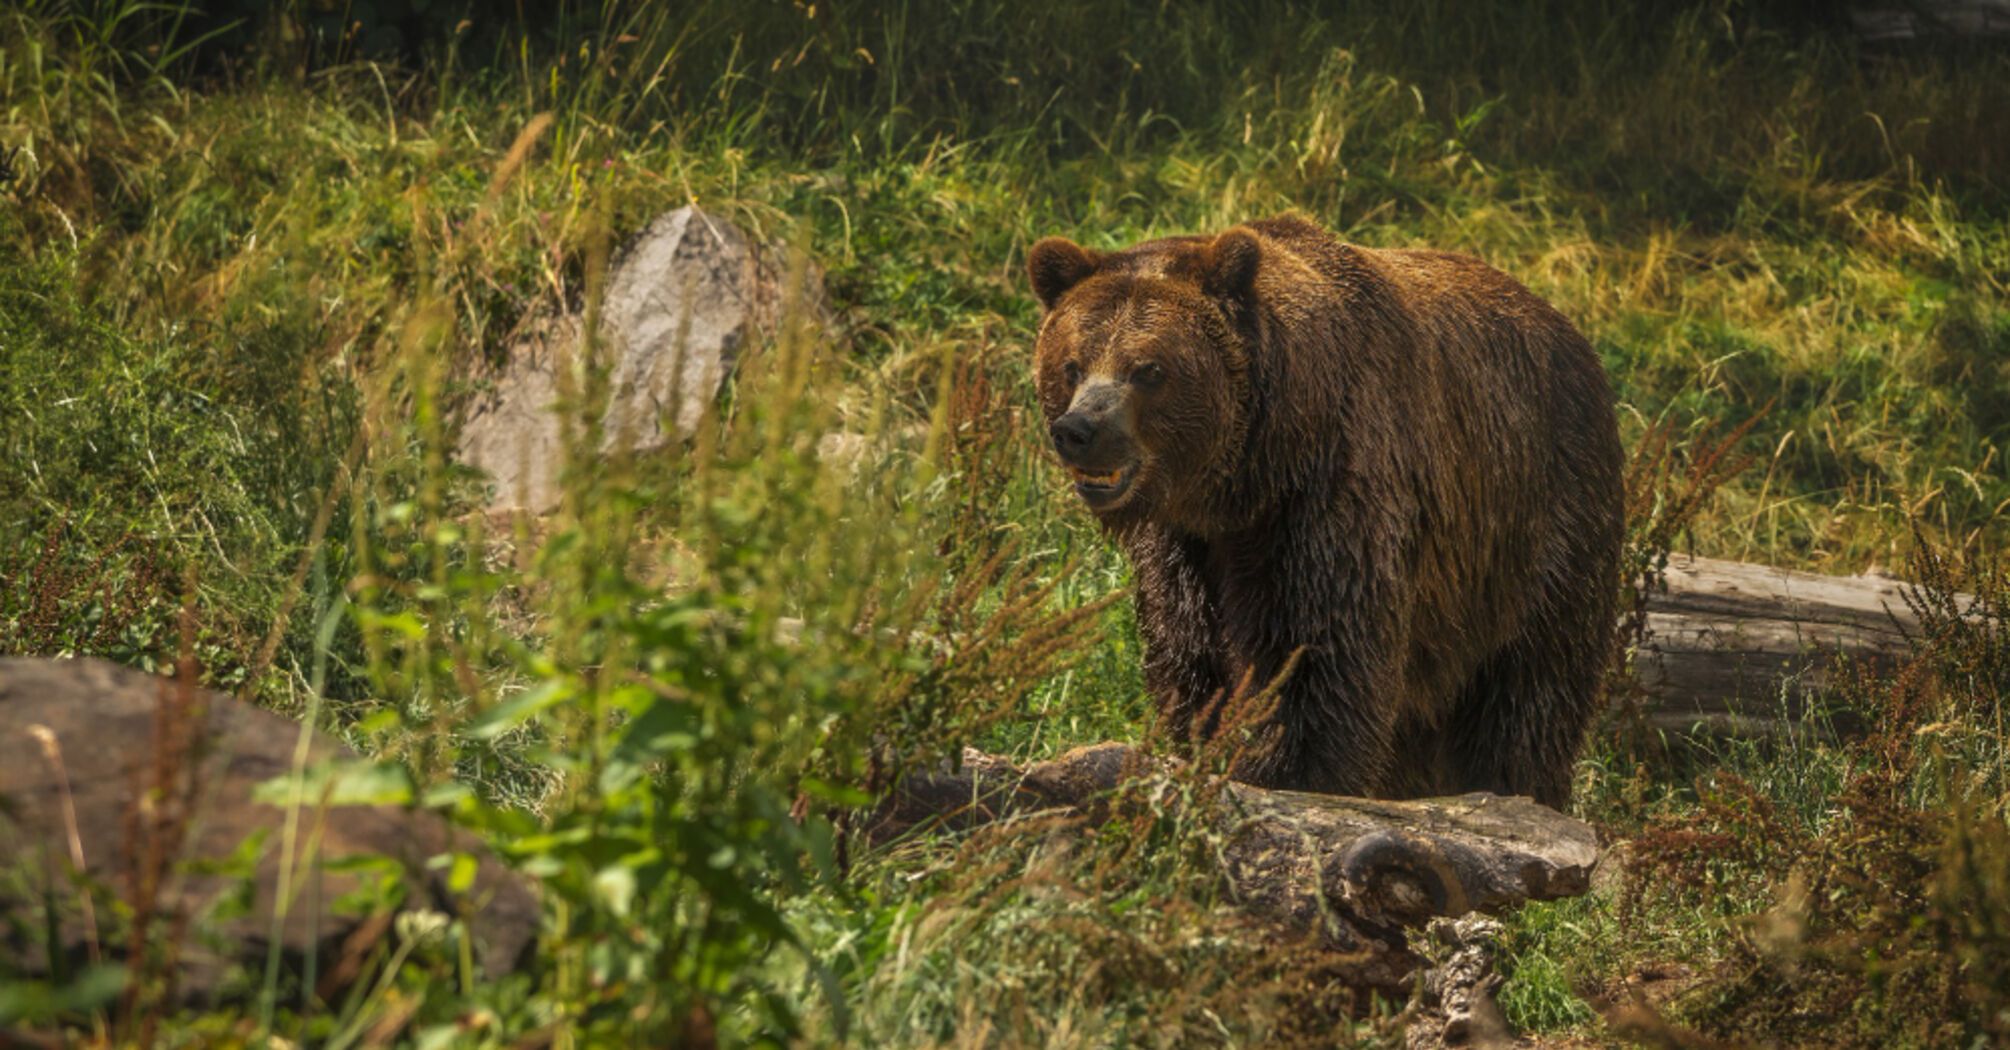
[(237, 271)]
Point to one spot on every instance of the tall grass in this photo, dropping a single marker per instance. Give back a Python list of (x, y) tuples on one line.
[(244, 272), (1838, 250)]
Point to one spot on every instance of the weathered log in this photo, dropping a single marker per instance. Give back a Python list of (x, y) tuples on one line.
[(1885, 23), (1737, 647), (1358, 872), (1728, 643), (1455, 1004)]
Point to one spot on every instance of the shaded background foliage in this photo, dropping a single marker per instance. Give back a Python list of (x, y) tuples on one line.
[(244, 246)]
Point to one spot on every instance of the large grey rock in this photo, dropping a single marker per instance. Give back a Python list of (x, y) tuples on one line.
[(682, 303), (153, 784)]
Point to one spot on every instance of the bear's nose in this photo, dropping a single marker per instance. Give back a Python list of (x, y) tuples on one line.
[(1073, 434)]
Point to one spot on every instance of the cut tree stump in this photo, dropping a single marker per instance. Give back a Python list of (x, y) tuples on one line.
[(1742, 648)]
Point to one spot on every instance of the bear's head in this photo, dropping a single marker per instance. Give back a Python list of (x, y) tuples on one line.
[(1142, 369)]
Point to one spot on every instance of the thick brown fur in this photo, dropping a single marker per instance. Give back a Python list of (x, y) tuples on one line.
[(1402, 466)]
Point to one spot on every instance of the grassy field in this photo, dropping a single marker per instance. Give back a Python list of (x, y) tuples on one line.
[(242, 265)]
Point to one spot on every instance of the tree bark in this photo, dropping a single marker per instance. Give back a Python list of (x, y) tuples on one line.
[(1729, 645), (1357, 872), (1743, 648)]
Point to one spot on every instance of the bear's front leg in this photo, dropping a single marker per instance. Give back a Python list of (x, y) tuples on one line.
[(1311, 603), (1186, 670), (1326, 733)]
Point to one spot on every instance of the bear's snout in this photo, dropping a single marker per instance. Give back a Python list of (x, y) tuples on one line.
[(1074, 435), (1094, 433), (1095, 441)]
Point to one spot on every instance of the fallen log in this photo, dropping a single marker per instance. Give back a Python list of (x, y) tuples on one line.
[(1729, 646), (1736, 647), (1357, 872), (1927, 19)]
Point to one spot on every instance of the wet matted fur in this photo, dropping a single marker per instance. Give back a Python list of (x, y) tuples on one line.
[(1401, 466)]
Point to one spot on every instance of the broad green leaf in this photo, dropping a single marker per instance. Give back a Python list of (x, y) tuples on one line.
[(520, 708), (353, 783)]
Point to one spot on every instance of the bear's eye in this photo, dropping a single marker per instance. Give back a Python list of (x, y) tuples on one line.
[(1147, 375), (1071, 372)]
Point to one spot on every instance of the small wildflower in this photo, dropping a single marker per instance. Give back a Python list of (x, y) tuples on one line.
[(420, 924)]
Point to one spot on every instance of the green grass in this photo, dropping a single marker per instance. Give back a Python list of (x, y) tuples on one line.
[(227, 261)]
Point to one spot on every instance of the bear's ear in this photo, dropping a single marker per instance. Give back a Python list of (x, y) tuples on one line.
[(1230, 269), (1057, 264)]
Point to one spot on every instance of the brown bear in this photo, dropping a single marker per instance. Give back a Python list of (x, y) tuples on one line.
[(1395, 472)]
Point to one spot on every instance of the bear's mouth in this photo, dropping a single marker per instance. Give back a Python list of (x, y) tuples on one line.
[(1103, 490)]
